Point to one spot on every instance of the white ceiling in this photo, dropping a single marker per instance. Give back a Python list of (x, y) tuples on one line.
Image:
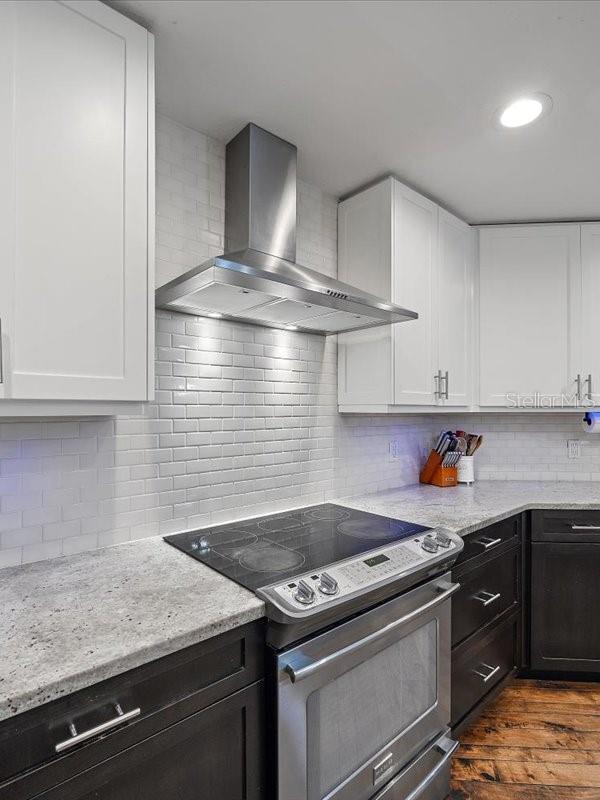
[(366, 88)]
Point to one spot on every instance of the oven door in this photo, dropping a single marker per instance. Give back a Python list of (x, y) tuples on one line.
[(358, 702)]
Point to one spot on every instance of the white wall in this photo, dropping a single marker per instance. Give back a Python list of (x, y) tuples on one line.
[(245, 419)]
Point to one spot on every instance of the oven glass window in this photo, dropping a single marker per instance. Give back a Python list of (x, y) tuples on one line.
[(356, 714)]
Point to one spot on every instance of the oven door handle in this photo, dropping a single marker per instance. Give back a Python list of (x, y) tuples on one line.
[(299, 674)]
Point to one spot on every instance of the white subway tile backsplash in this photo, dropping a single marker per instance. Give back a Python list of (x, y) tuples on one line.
[(38, 552), (12, 557), (20, 430), (21, 536)]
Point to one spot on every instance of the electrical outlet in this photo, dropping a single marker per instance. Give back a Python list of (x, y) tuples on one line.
[(574, 448), (396, 449)]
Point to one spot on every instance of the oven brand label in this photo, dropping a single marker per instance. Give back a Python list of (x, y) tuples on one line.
[(383, 767)]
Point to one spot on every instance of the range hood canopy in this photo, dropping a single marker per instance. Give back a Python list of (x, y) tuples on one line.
[(258, 280)]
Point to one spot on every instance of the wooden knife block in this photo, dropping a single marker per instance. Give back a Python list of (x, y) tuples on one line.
[(434, 473)]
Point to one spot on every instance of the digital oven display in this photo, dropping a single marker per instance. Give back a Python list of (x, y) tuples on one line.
[(375, 560)]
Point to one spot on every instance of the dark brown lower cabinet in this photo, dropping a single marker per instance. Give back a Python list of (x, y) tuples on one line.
[(216, 753), (565, 603), (487, 617), (199, 733)]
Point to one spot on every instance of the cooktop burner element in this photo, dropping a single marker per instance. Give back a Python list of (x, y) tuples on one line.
[(258, 552), (268, 557), (369, 529), (278, 524), (328, 512)]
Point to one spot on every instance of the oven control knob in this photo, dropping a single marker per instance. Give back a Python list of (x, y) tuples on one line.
[(304, 594), (429, 544), (327, 584), (443, 539)]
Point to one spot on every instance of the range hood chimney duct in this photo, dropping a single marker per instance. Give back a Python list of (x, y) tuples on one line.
[(260, 194)]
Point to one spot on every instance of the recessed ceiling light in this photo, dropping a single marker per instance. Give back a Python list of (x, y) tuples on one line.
[(524, 110)]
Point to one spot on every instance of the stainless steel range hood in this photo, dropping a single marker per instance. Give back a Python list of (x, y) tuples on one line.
[(258, 280)]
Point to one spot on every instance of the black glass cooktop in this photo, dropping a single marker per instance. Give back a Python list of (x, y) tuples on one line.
[(265, 550)]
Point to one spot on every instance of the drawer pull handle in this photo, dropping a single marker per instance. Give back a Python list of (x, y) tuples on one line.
[(486, 598), (489, 675), (487, 542), (585, 527), (77, 738)]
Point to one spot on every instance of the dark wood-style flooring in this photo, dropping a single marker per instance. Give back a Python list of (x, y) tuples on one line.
[(539, 740)]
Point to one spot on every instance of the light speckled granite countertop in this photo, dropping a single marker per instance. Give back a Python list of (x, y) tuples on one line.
[(68, 623), (465, 509)]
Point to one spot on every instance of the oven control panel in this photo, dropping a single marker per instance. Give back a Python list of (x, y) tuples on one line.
[(314, 590)]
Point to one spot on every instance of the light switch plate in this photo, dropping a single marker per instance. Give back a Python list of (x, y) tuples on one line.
[(396, 449)]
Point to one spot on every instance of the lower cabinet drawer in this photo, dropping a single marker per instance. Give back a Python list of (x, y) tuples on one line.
[(574, 526), (492, 539), (477, 668), (215, 753), (486, 592)]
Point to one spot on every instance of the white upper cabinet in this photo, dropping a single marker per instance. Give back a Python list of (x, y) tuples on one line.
[(454, 307), (530, 314), (399, 245), (365, 242), (415, 225), (589, 362), (76, 144)]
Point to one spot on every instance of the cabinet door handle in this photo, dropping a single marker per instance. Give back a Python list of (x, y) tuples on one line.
[(487, 676), (578, 392), (446, 385), (77, 738), (487, 542), (486, 598), (588, 380), (585, 527), (1, 353), (438, 384)]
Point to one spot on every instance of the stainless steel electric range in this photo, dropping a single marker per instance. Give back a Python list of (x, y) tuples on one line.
[(358, 609)]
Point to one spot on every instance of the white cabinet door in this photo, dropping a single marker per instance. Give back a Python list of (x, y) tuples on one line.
[(454, 302), (365, 240), (413, 275), (365, 368), (7, 12), (590, 312), (74, 125), (530, 293), (396, 243), (365, 261)]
